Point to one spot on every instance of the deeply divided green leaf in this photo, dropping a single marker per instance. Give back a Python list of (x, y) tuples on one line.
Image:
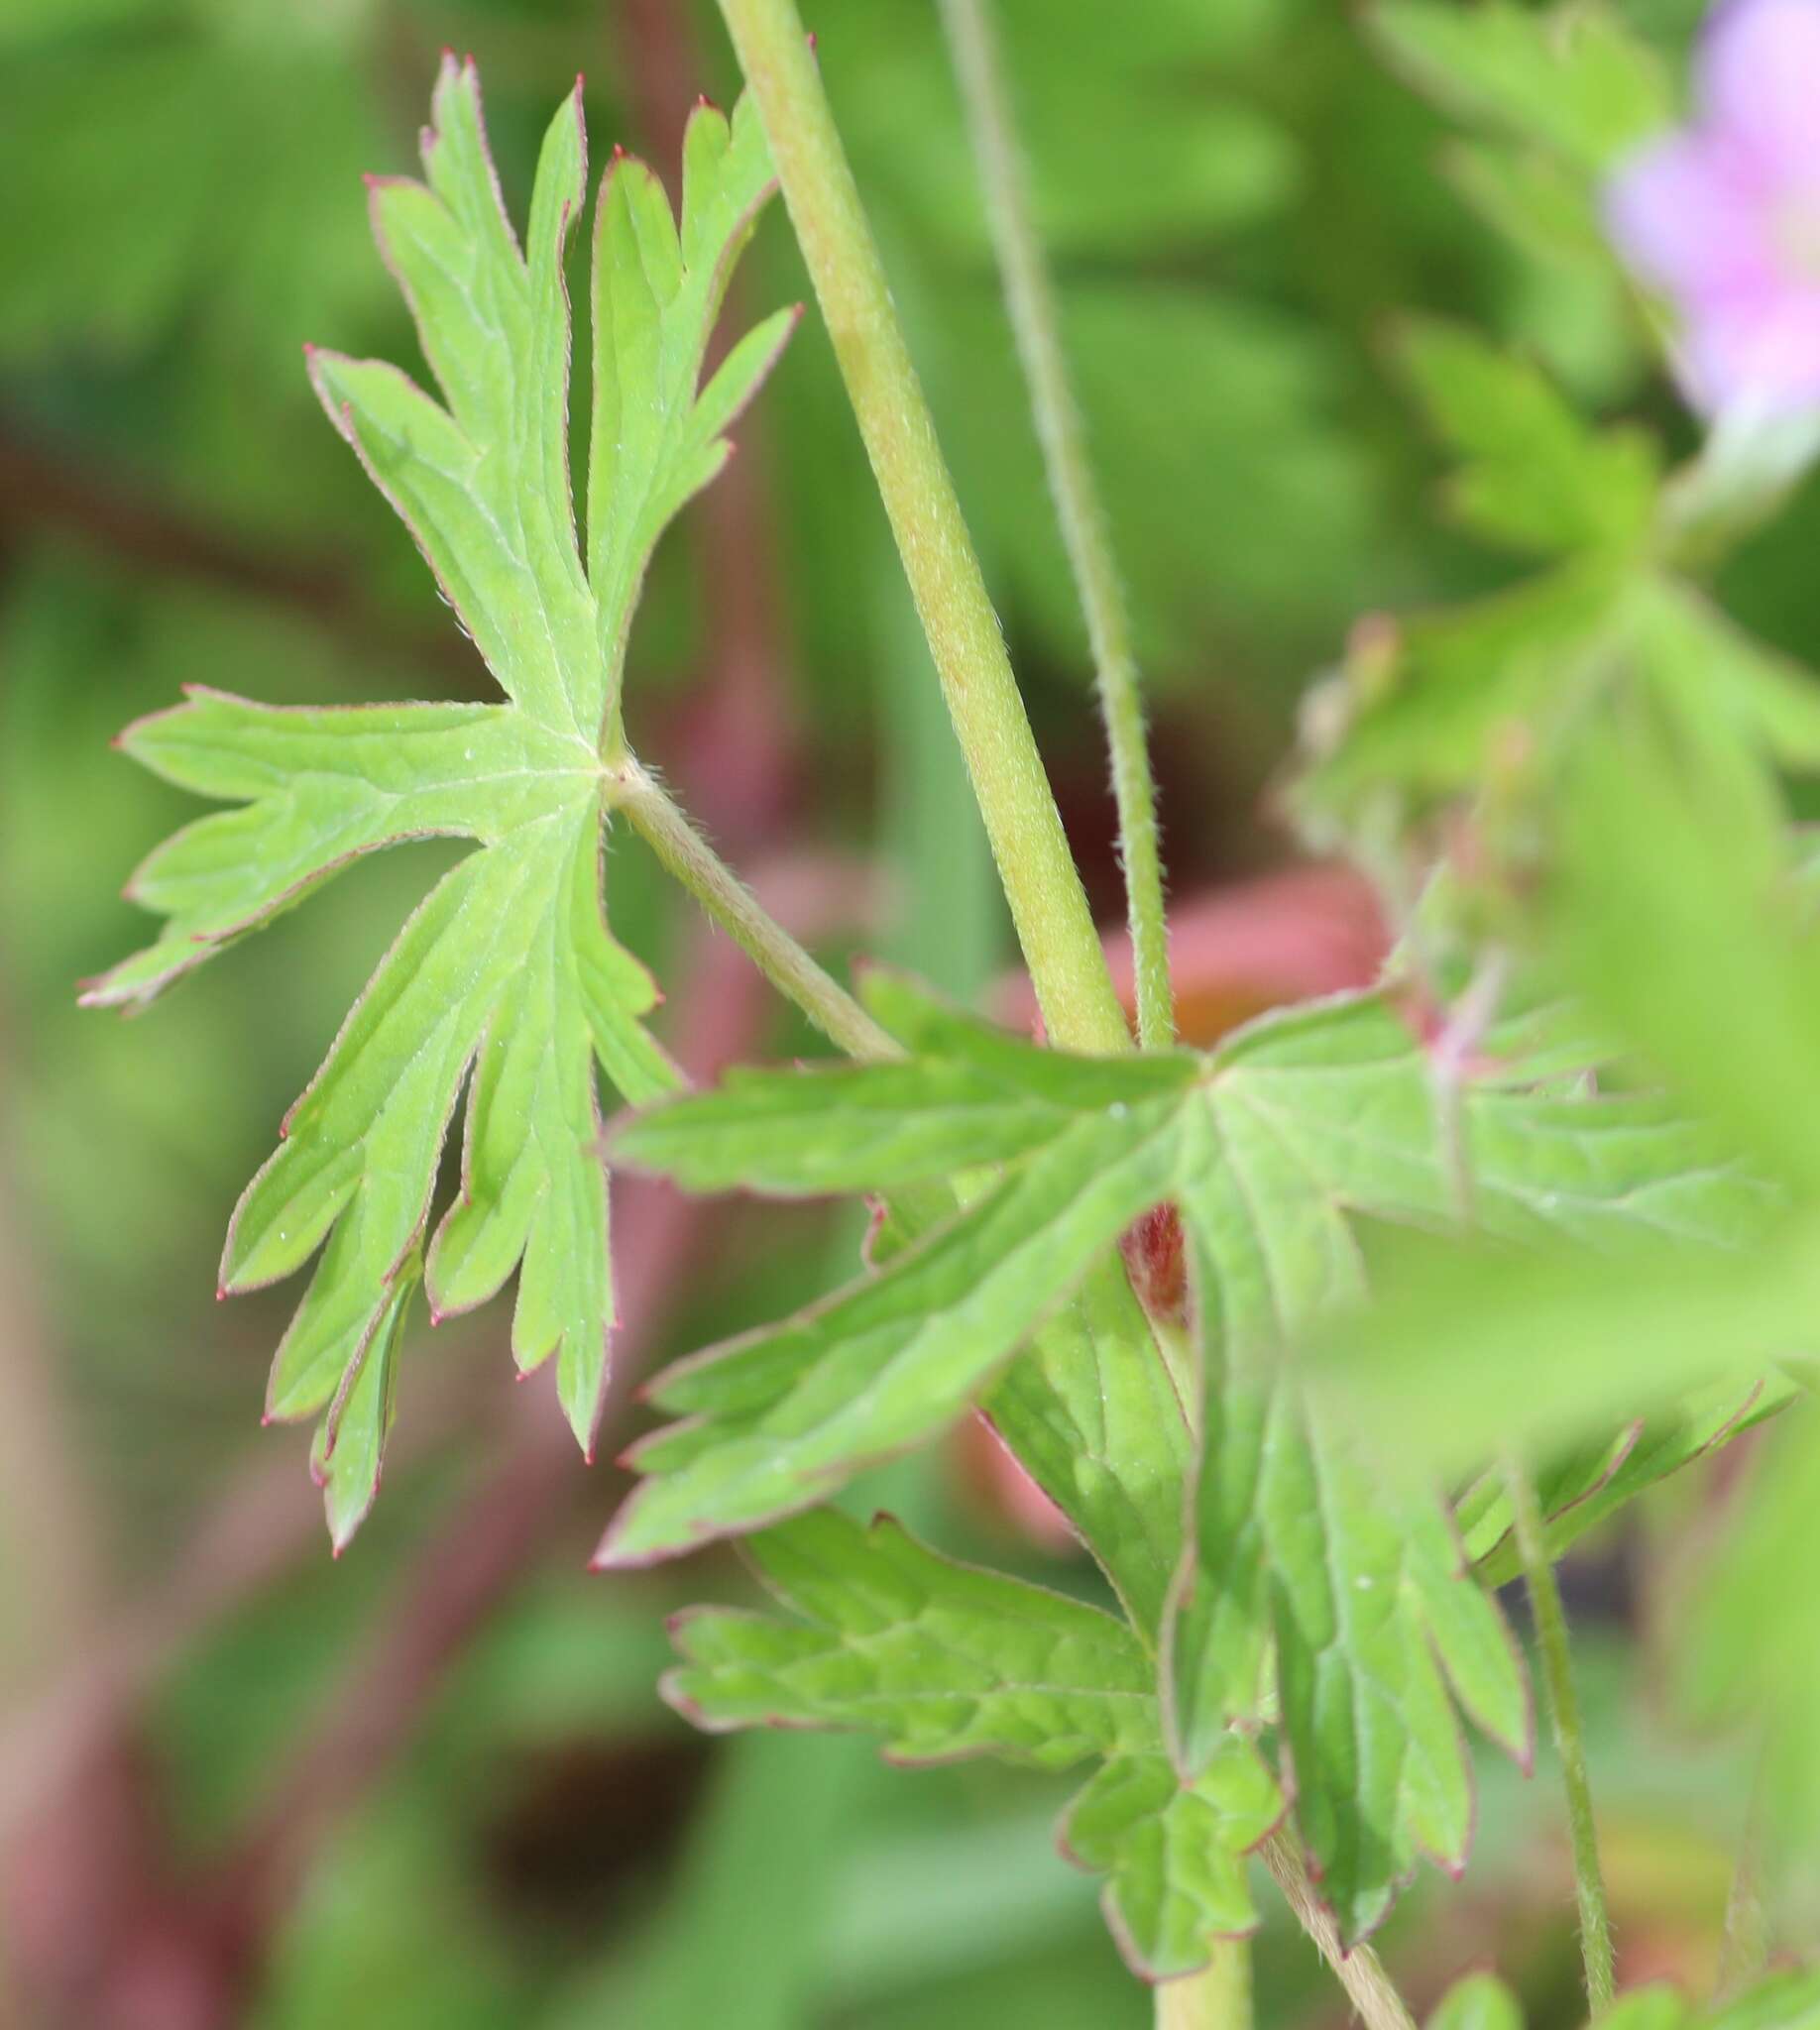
[(507, 978)]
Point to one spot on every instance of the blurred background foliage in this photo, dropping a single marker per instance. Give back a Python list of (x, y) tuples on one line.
[(433, 1786)]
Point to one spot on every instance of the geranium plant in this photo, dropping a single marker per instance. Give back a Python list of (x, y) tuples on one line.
[(1317, 1339)]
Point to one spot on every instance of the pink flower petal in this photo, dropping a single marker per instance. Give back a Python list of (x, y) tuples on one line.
[(1760, 82), (1765, 351), (1691, 216)]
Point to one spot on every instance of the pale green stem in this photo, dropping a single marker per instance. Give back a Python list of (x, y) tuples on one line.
[(1042, 884), (1564, 1711), (1218, 1997), (1031, 300), (1359, 1971), (672, 837)]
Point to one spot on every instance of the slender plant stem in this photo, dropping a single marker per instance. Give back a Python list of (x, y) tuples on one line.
[(1359, 1971), (1564, 1710), (673, 838), (1218, 1997), (1743, 1948), (1042, 884), (1031, 300)]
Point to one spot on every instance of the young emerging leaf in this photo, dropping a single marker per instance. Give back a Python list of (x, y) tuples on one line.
[(1590, 1481), (506, 976)]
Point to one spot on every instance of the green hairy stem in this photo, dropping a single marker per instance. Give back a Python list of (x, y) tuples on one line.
[(1030, 298), (1359, 1971), (1042, 884), (1564, 1710), (671, 835)]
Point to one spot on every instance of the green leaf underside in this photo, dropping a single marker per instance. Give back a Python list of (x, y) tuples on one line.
[(505, 979), (942, 1661), (349, 1448), (1312, 1593), (1582, 1486)]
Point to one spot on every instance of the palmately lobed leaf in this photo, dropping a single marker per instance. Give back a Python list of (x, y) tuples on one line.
[(1315, 1595), (505, 981)]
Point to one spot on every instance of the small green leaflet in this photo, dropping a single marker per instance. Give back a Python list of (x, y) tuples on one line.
[(1172, 1852), (1536, 479), (506, 976), (1574, 82), (1440, 704), (1780, 2001), (940, 1660), (1309, 1595), (943, 1661)]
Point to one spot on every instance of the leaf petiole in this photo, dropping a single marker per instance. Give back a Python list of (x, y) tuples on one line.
[(1359, 1971), (1218, 1997), (1031, 301), (1049, 906), (672, 835), (1564, 1710)]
